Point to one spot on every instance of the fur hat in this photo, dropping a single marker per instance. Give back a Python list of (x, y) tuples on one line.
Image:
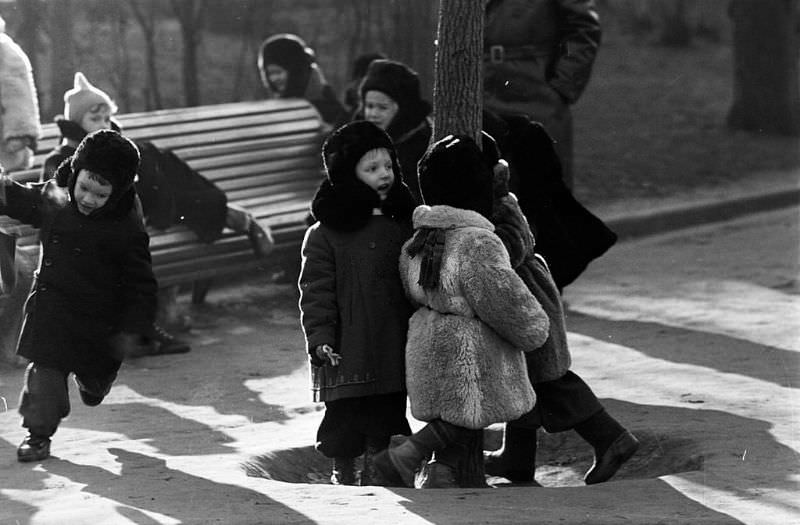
[(344, 148), (395, 79), (83, 97), (292, 54), (455, 172), (110, 155)]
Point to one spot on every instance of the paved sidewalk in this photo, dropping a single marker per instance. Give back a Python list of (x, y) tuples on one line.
[(687, 354)]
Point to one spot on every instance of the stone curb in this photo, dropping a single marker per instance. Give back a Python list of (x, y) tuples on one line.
[(651, 222)]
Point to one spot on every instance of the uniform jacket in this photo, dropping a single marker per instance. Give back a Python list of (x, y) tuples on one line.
[(94, 279), (552, 360), (547, 49), (19, 108), (464, 356), (351, 297), (538, 57)]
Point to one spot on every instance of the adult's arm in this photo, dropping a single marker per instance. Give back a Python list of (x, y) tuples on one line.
[(579, 27)]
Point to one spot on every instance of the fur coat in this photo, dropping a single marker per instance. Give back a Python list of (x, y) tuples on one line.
[(464, 355), (19, 108)]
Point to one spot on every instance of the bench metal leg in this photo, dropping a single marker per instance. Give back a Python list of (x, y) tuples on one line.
[(200, 290)]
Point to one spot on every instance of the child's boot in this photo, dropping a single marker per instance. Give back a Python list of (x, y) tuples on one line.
[(399, 463), (613, 446), (516, 458), (33, 448), (343, 471), (369, 474)]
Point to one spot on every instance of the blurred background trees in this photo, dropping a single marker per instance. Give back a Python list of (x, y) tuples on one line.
[(681, 86)]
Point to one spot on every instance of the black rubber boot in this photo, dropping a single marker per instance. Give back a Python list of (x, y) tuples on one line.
[(613, 446), (515, 460)]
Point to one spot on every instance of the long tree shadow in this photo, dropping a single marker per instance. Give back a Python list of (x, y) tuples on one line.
[(17, 477), (684, 442), (682, 345), (235, 341), (145, 483)]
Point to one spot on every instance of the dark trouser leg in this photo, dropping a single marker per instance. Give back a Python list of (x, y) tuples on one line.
[(44, 401), (564, 402)]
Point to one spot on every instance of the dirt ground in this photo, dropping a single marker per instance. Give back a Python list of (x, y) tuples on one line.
[(690, 339)]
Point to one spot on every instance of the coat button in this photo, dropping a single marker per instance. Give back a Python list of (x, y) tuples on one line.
[(48, 262), (372, 245), (42, 288), (77, 251)]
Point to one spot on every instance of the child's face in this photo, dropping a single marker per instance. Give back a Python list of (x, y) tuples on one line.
[(91, 191), (99, 117), (379, 108), (278, 77), (375, 169)]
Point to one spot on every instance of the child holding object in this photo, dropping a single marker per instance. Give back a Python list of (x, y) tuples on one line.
[(354, 312), (94, 292)]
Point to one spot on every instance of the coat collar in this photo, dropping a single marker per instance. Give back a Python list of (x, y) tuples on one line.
[(447, 217)]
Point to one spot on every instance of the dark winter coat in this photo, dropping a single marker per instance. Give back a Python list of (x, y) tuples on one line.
[(171, 192), (351, 297), (568, 235), (94, 279), (464, 356), (538, 57), (552, 360)]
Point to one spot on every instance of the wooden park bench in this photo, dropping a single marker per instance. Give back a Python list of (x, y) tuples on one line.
[(265, 155)]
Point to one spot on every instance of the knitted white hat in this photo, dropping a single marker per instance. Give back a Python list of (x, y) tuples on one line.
[(83, 97)]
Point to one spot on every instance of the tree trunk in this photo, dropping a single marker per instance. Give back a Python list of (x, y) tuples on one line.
[(457, 86), (148, 22), (414, 35), (458, 106), (62, 67), (766, 90), (190, 17), (121, 76)]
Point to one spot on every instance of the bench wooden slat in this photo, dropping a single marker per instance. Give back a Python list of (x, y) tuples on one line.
[(265, 155)]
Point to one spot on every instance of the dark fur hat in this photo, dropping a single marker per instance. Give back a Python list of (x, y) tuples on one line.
[(292, 54), (110, 155), (455, 172), (395, 79), (344, 148), (342, 201)]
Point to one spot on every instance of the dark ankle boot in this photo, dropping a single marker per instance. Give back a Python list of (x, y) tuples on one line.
[(516, 458), (33, 448), (343, 471), (613, 446)]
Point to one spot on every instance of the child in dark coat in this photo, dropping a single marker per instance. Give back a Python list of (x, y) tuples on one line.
[(354, 311), (563, 400), (94, 292)]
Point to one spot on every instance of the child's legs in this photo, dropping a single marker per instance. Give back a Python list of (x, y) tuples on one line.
[(44, 400), (351, 424), (337, 436)]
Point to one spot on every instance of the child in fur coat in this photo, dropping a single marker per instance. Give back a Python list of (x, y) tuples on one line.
[(465, 367), (354, 312)]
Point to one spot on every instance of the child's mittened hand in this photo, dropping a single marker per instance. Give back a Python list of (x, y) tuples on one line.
[(501, 178), (326, 353)]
